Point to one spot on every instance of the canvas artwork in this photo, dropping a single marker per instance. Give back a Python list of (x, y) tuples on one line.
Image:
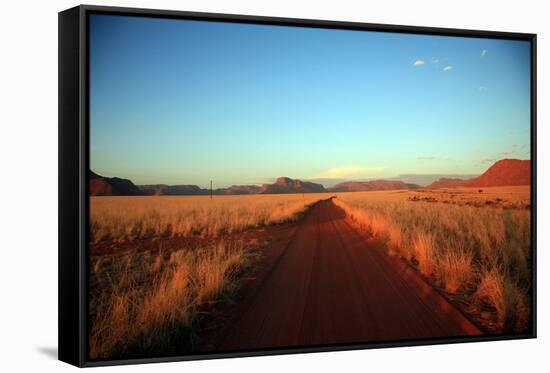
[(257, 187)]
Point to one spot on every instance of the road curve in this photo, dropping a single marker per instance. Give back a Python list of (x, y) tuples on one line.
[(332, 285)]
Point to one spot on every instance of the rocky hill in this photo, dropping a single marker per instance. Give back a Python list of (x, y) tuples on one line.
[(285, 185)]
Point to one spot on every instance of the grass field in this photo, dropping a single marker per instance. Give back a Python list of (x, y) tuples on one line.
[(128, 218), (479, 253), (141, 302)]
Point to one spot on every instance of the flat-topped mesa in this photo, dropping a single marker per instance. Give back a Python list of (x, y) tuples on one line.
[(171, 190), (283, 180), (240, 189), (111, 186), (287, 185), (445, 182), (372, 185)]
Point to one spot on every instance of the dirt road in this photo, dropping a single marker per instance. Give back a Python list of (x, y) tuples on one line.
[(332, 285)]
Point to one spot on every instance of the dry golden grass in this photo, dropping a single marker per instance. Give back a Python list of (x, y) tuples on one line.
[(513, 197), (143, 303), (481, 254), (127, 218), (455, 270), (424, 252)]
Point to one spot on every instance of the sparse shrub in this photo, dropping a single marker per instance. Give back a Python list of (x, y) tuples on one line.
[(500, 294)]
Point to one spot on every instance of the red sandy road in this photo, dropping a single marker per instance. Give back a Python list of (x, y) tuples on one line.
[(330, 286)]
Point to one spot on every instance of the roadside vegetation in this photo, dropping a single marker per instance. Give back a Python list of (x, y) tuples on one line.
[(479, 256)]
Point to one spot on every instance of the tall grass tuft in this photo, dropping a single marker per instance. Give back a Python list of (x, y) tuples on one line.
[(424, 253), (456, 270)]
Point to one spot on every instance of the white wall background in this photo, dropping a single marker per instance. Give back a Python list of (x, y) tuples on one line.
[(28, 183)]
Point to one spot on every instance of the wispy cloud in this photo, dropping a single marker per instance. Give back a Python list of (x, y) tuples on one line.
[(425, 158), (435, 60), (482, 88), (419, 63), (488, 160), (506, 153), (347, 172), (447, 68), (483, 52)]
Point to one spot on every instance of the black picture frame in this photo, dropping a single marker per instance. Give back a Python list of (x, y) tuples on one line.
[(74, 162)]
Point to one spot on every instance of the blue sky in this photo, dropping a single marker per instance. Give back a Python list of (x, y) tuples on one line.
[(185, 102)]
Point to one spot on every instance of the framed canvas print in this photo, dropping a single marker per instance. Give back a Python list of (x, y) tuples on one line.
[(238, 186)]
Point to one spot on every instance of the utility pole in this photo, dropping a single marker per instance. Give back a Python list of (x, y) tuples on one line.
[(210, 189)]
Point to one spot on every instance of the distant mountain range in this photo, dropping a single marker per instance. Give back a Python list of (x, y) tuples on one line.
[(418, 179), (114, 186), (170, 190), (505, 172), (427, 179)]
